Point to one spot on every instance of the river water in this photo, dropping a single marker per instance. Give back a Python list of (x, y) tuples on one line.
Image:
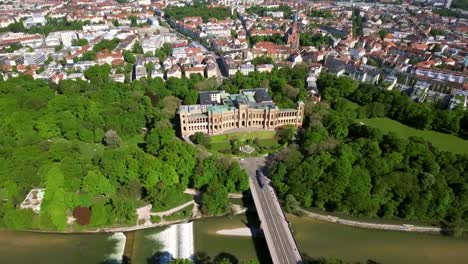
[(315, 239)]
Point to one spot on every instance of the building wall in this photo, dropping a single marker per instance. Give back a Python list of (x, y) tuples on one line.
[(243, 117)]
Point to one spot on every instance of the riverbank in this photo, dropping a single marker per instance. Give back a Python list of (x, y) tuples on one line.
[(369, 225), (235, 210)]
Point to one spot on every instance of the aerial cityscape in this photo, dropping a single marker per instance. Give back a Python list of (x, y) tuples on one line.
[(233, 131)]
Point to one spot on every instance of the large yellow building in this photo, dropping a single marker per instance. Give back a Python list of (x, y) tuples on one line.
[(219, 112)]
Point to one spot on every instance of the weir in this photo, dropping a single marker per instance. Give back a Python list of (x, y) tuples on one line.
[(177, 240)]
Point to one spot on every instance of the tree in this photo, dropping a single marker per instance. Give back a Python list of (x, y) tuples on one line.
[(112, 139), (123, 210), (383, 33), (101, 215), (215, 200), (163, 52), (157, 176), (19, 219), (286, 134), (98, 74), (79, 42), (137, 48), (89, 56), (201, 138), (291, 204), (181, 261), (237, 179), (158, 137), (437, 32), (96, 184), (106, 44), (180, 156), (128, 56), (133, 21), (262, 60)]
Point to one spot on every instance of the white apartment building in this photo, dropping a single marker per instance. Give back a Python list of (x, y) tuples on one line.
[(35, 20)]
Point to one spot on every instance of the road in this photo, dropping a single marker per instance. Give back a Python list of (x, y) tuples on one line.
[(283, 248)]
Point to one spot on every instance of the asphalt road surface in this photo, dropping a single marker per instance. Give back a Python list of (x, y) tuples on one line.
[(283, 249)]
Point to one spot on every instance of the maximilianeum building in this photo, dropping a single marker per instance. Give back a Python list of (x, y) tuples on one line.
[(219, 112)]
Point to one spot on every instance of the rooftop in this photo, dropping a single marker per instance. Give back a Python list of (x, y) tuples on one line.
[(220, 101)]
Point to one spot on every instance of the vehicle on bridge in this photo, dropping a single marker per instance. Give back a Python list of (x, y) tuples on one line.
[(260, 178)]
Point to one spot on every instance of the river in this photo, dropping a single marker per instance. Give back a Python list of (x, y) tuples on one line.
[(316, 239)]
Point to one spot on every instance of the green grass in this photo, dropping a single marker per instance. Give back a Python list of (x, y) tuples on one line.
[(155, 219), (266, 139), (263, 134), (133, 141), (392, 221), (182, 214), (219, 146), (441, 141), (172, 202), (89, 150), (268, 143)]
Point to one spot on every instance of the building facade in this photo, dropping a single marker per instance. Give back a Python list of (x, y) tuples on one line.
[(219, 112)]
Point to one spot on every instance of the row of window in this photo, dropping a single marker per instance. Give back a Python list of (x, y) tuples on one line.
[(233, 117), (287, 114), (196, 120), (286, 121)]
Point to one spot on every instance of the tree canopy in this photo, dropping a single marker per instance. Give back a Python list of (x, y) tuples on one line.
[(340, 165), (85, 143)]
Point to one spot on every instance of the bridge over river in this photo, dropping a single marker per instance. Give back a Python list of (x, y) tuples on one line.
[(281, 243)]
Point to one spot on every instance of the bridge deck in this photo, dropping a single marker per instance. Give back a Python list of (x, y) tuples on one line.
[(280, 241)]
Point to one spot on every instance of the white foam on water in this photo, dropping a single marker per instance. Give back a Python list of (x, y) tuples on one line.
[(186, 245), (119, 247), (177, 240)]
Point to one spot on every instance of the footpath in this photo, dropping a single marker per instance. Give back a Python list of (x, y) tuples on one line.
[(389, 227)]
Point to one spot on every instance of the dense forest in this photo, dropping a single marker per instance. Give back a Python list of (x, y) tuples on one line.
[(316, 40), (462, 4), (198, 9), (286, 85), (276, 38), (260, 10), (86, 144), (53, 24), (340, 165), (377, 102)]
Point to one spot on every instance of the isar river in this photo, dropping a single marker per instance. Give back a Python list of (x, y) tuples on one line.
[(315, 239)]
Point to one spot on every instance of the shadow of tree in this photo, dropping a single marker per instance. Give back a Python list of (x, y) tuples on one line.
[(253, 222), (310, 260), (160, 257), (202, 258), (225, 256), (110, 261)]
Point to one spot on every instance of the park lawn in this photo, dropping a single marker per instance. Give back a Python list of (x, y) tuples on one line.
[(89, 150), (260, 134), (353, 105), (171, 203), (182, 214), (267, 140), (133, 141), (445, 142), (219, 146), (268, 143)]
